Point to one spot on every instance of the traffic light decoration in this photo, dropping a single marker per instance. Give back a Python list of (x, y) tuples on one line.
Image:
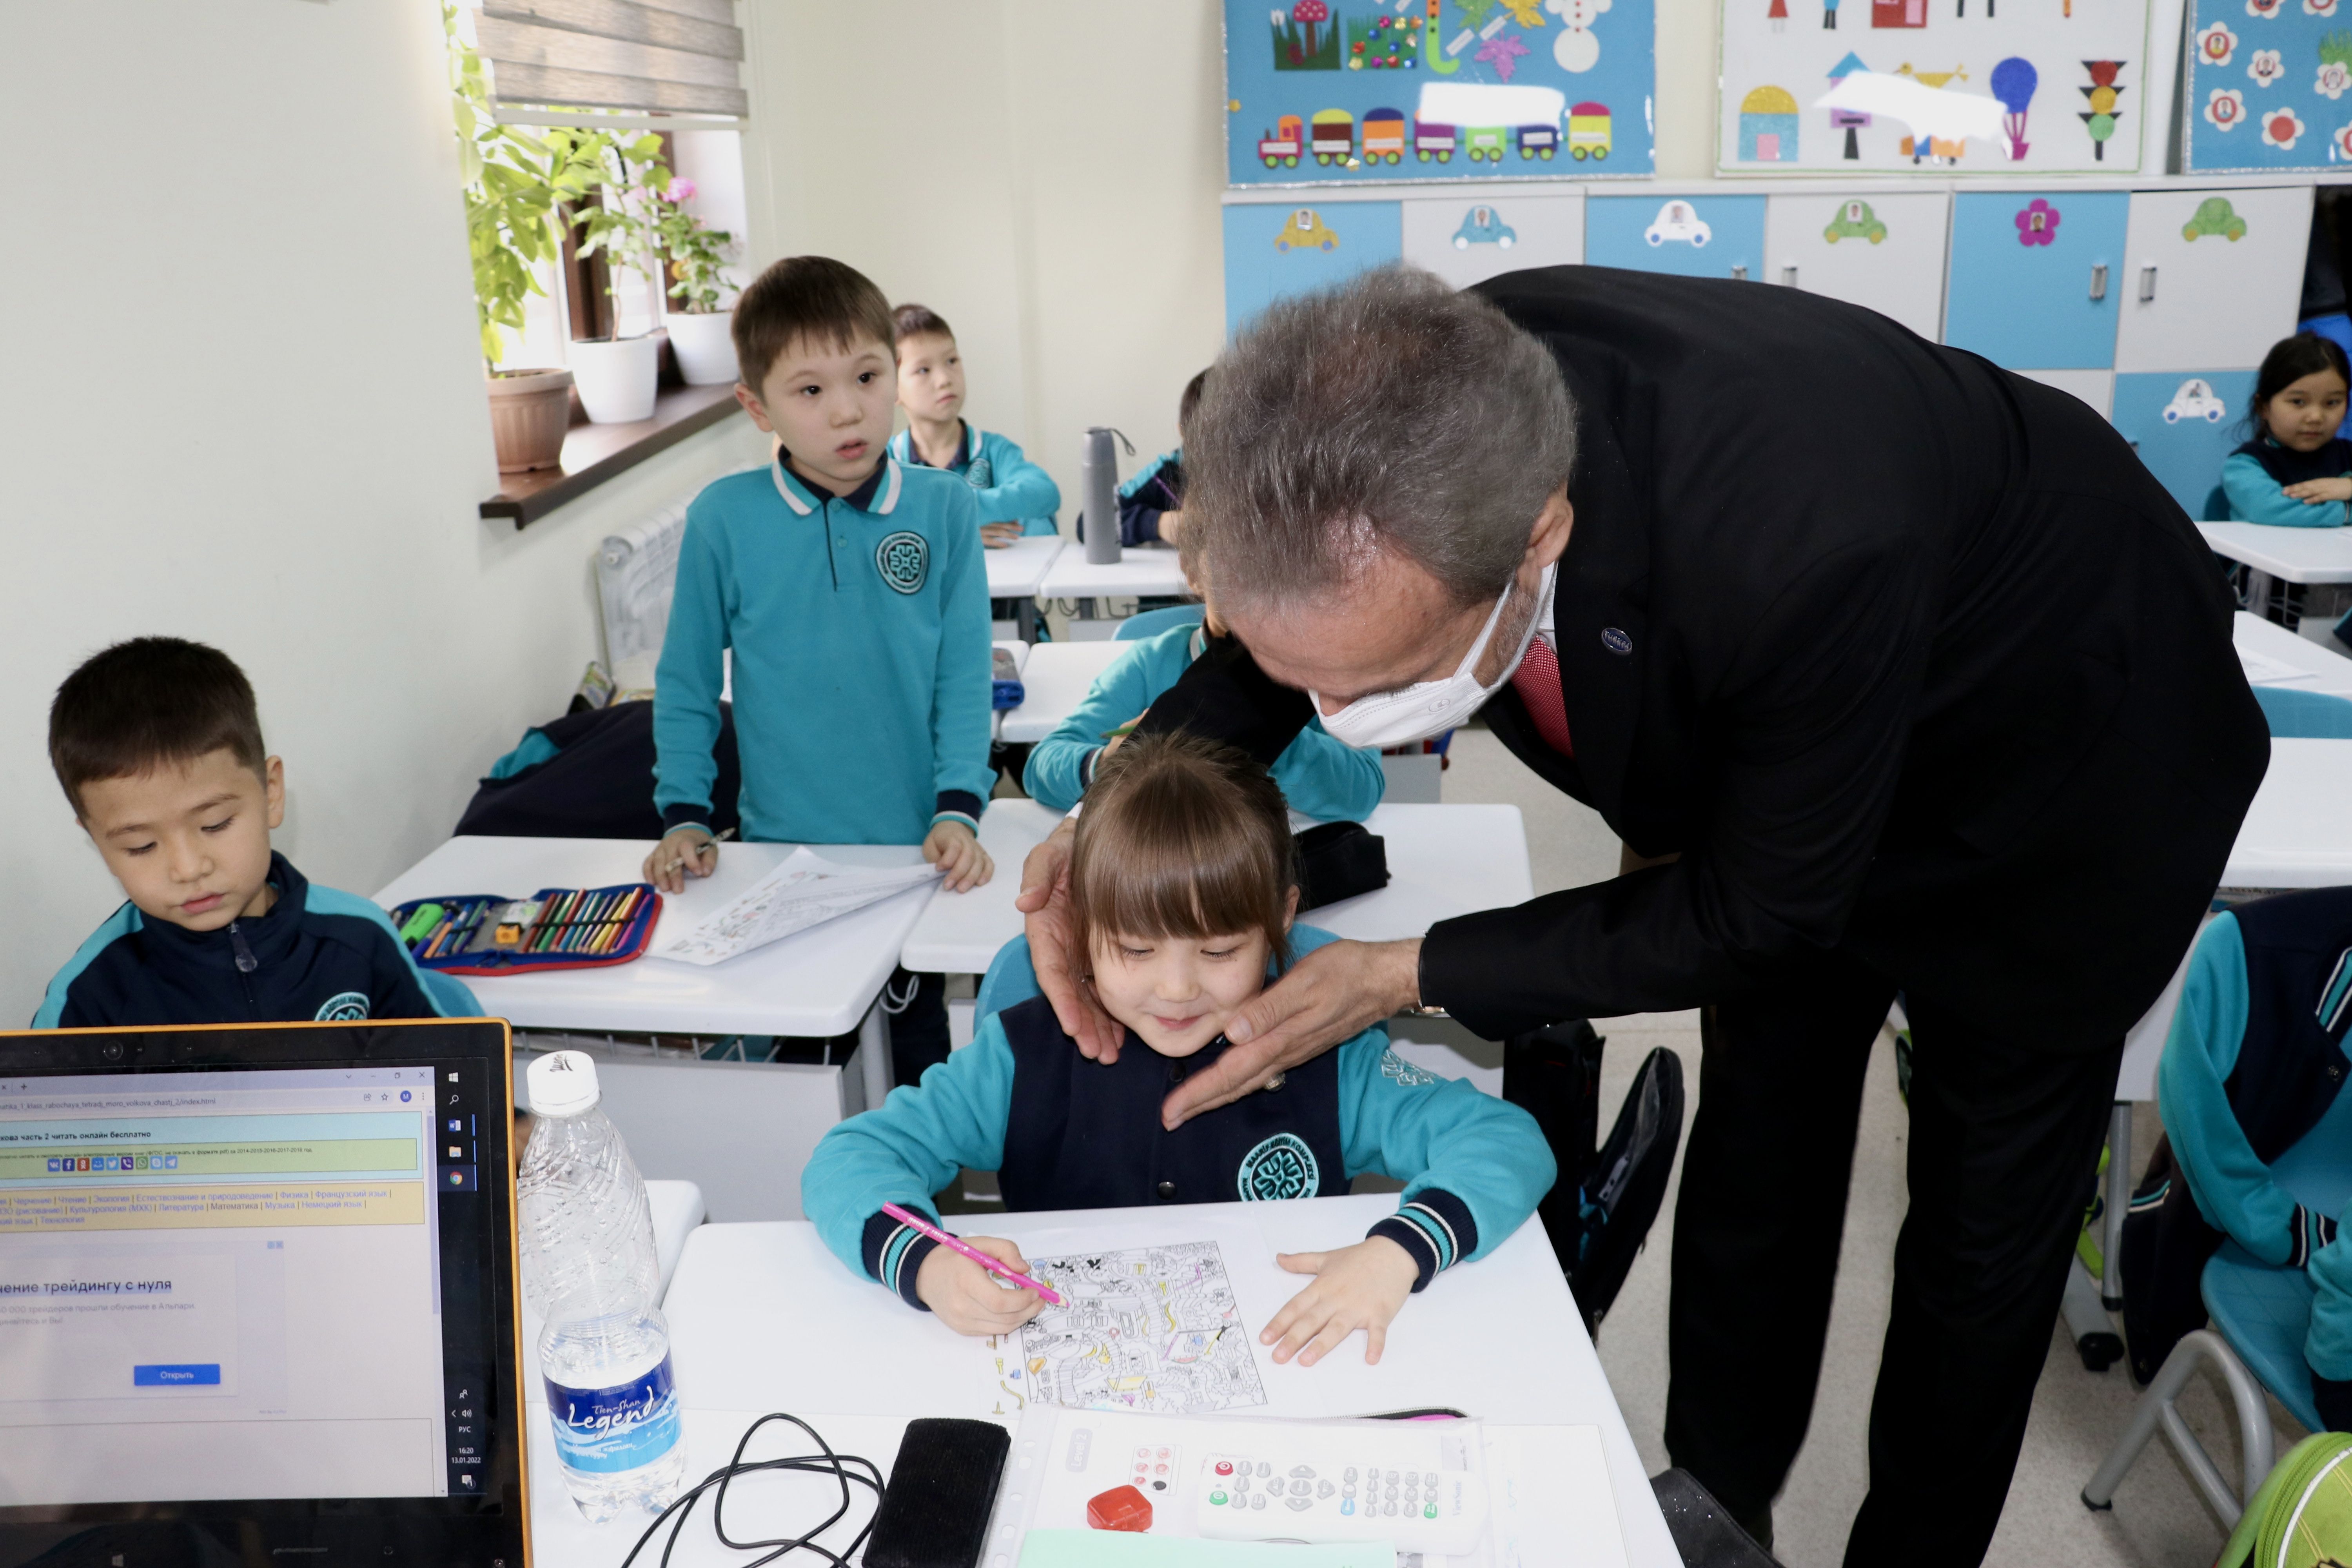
[(2100, 119)]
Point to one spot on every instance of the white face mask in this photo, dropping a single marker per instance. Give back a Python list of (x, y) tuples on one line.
[(1430, 708)]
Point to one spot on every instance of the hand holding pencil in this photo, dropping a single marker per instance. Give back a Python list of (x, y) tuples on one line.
[(684, 852)]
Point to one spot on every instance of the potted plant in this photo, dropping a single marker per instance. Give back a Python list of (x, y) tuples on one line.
[(701, 334), (618, 375), (516, 189)]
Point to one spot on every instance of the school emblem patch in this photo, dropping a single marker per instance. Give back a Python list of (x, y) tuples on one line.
[(904, 559), (1281, 1167), (1406, 1074), (979, 474), (344, 1007)]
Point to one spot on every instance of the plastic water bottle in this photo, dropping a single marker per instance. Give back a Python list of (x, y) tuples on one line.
[(589, 1266)]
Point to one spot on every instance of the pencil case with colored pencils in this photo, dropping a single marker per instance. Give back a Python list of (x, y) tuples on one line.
[(555, 928)]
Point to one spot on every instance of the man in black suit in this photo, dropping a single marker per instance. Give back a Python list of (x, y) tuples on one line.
[(1919, 677)]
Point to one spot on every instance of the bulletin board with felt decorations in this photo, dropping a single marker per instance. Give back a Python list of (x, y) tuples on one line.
[(1387, 92), (1937, 87), (2268, 84)]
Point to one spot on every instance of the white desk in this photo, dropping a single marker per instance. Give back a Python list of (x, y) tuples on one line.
[(1055, 680), (2320, 668), (1142, 570), (2297, 554), (1444, 860), (821, 981), (958, 933), (2298, 832), (1017, 569), (754, 1307)]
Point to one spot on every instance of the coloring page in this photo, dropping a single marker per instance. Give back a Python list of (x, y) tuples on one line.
[(1152, 1329), (804, 889)]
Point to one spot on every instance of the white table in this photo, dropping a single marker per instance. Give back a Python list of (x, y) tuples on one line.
[(2297, 555), (821, 981), (1444, 860), (1141, 570), (1055, 681), (1016, 571), (762, 1318), (958, 933), (2266, 645)]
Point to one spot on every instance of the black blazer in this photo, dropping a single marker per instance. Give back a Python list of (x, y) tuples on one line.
[(1910, 658)]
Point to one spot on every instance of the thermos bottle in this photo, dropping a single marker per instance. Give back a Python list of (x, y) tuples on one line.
[(1099, 484)]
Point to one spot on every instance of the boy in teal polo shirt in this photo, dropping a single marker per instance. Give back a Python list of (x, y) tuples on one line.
[(1014, 495), (851, 591)]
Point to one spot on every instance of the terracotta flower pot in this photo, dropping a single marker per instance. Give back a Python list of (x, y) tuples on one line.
[(530, 411), (705, 346)]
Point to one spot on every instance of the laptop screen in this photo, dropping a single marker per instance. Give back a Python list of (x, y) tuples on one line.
[(284, 1280)]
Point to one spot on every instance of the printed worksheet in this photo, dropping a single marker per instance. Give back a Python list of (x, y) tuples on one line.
[(804, 889), (1155, 1329)]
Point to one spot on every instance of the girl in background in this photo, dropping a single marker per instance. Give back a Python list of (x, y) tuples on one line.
[(2297, 471)]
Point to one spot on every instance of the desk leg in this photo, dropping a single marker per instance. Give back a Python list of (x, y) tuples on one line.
[(1024, 618), (874, 1050), (2258, 593), (2119, 1189)]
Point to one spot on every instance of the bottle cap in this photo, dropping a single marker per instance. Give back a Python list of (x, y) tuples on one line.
[(561, 1083)]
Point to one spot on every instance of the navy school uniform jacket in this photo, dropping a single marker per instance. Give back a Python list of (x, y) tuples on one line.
[(1062, 1131), (859, 625), (318, 955)]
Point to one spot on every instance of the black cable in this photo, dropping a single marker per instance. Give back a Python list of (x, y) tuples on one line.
[(827, 1463)]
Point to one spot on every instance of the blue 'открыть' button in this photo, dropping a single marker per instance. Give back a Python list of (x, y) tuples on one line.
[(185, 1375)]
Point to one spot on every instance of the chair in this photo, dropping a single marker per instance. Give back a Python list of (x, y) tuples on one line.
[(2304, 715), (1151, 623), (1008, 982), (450, 995), (2259, 1316)]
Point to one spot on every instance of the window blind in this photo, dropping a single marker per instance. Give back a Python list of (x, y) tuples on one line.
[(675, 56)]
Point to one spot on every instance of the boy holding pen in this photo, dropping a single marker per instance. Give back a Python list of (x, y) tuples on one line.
[(851, 590)]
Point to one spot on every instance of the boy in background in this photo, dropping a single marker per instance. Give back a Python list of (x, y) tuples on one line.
[(1151, 503), (851, 590), (1014, 495), (157, 744)]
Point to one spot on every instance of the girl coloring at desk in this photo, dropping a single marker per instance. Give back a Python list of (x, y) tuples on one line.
[(1183, 896), (2297, 471)]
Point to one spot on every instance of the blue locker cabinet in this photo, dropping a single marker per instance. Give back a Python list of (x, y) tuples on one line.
[(1693, 236), (2036, 277), (1272, 252)]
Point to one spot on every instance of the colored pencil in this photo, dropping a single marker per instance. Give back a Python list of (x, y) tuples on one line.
[(551, 921), (993, 1265), (583, 923)]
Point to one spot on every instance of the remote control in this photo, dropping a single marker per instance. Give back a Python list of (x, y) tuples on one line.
[(1331, 1495)]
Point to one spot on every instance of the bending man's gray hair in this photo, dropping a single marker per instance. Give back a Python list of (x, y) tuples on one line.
[(1389, 413)]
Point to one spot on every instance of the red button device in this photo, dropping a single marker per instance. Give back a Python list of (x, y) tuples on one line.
[(1224, 1467), (1121, 1508)]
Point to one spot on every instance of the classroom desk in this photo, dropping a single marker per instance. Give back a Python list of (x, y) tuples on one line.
[(1055, 680), (1016, 571), (2297, 554), (762, 1318), (1444, 860), (2265, 646), (821, 981), (1143, 570), (958, 933)]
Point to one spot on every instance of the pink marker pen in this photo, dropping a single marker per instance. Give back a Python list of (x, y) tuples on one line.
[(975, 1254)]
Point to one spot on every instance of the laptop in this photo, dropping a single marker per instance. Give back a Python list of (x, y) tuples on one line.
[(258, 1297)]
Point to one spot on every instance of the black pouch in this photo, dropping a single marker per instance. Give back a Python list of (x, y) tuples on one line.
[(1338, 861), (934, 1512)]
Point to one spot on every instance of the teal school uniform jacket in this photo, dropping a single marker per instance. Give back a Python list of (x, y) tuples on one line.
[(859, 626), (1318, 776), (2230, 1183), (2255, 496), (1005, 485), (1471, 1163)]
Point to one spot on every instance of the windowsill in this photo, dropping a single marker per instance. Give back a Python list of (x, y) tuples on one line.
[(595, 453)]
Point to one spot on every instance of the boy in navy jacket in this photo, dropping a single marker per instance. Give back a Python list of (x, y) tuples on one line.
[(1182, 894), (851, 590), (157, 743)]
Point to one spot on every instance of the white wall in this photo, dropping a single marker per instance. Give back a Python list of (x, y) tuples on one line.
[(1046, 173), (239, 401)]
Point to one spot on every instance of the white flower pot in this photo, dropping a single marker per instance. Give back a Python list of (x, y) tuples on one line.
[(705, 347), (616, 377)]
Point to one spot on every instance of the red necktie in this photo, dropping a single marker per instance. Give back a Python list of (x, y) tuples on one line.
[(1537, 680)]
